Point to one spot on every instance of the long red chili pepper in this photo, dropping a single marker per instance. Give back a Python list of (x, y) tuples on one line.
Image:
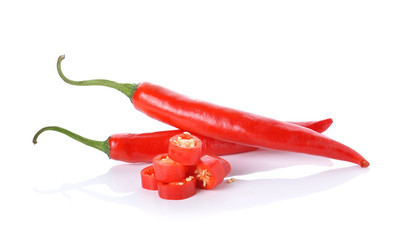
[(143, 147), (225, 123)]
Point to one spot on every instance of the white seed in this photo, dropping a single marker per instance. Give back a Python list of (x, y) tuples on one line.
[(188, 179), (231, 180)]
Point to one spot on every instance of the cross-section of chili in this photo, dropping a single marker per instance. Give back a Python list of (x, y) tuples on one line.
[(177, 190), (168, 170), (185, 148), (211, 171), (148, 178)]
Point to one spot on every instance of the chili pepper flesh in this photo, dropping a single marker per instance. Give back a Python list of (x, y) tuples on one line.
[(168, 170), (185, 148), (148, 178), (177, 190)]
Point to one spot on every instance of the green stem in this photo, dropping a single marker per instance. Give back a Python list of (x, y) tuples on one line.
[(126, 88), (100, 145)]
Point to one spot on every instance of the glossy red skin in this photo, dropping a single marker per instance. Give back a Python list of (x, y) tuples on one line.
[(182, 154), (167, 171), (214, 166), (148, 178), (318, 126), (177, 192), (225, 164), (236, 126), (190, 170), (143, 147)]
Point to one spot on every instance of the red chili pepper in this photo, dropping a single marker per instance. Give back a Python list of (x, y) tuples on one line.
[(211, 171), (143, 147), (168, 170), (225, 123), (177, 190), (185, 148), (148, 178)]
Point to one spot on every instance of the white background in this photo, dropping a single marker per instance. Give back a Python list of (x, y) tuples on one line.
[(289, 60)]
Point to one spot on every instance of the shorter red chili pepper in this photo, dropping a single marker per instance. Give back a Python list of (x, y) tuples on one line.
[(148, 178), (185, 148), (168, 170), (211, 171), (143, 147), (177, 190)]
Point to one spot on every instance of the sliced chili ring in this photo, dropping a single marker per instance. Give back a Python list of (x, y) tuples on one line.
[(148, 179), (190, 170), (210, 171), (177, 190), (168, 170), (185, 148), (225, 164)]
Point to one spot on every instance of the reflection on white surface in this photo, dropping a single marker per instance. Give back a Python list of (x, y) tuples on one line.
[(257, 183)]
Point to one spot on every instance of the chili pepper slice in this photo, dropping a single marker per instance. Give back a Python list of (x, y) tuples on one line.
[(148, 178), (223, 123), (177, 190), (225, 164), (185, 148), (132, 148), (211, 171), (168, 170), (190, 170)]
